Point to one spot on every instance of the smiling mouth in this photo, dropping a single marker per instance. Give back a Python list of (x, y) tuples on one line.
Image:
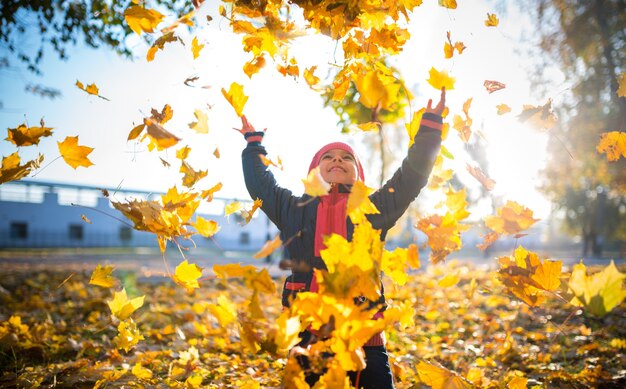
[(336, 168)]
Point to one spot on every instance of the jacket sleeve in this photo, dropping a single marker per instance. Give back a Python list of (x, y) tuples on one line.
[(393, 199), (261, 184)]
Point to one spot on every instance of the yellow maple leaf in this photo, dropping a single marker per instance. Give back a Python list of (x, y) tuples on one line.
[(12, 170), (232, 208), (286, 332), (121, 307), (141, 372), (206, 228), (314, 184), (183, 152), (252, 67), (439, 79), (235, 97), (141, 19), (128, 335), (621, 90), (101, 276), (394, 264), (200, 126), (438, 377), (511, 219), (448, 3), (413, 127), (492, 20), (196, 47), (225, 311), (600, 292), (23, 135), (359, 203), (613, 144), (378, 88), (187, 275), (73, 154), (269, 247), (444, 235)]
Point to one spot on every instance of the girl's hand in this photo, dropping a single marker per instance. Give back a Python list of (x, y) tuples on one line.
[(246, 127), (438, 109)]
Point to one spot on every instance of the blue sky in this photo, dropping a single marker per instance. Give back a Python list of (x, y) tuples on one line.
[(293, 113)]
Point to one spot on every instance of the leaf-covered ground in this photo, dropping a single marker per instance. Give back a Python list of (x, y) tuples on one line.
[(57, 330)]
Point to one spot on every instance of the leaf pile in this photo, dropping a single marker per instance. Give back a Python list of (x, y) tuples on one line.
[(57, 329)]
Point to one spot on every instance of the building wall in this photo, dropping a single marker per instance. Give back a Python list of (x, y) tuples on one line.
[(51, 224)]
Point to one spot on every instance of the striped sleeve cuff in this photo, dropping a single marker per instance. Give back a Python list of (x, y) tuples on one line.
[(254, 136), (432, 120)]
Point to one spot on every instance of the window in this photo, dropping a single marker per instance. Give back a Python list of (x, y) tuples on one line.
[(125, 233), (244, 238), (76, 232), (19, 230)]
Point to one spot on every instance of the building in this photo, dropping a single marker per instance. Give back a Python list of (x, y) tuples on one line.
[(45, 214)]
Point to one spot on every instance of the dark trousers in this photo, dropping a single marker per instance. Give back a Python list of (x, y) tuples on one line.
[(376, 375)]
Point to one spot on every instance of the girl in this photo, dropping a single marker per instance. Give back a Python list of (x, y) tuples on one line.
[(303, 222)]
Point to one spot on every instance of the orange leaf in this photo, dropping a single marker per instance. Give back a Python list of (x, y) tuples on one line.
[(27, 136), (492, 20), (503, 108), (511, 219), (73, 154), (448, 3), (12, 170), (478, 174), (208, 194), (542, 117), (206, 228), (141, 19), (269, 247), (613, 144)]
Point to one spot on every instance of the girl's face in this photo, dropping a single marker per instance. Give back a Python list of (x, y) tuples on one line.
[(338, 167)]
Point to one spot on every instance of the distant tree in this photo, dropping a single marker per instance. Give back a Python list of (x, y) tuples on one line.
[(586, 40), (60, 24)]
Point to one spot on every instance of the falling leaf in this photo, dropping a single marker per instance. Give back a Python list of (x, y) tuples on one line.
[(478, 174), (191, 176), (183, 153), (440, 79), (121, 307), (511, 219), (503, 108), (492, 20), (542, 117), (216, 153), (73, 154), (85, 219), (201, 126), (195, 47), (269, 247), (314, 184), (449, 48), (101, 276), (136, 131), (128, 335), (92, 89), (267, 162), (493, 86), (438, 377), (600, 292), (141, 19), (359, 203), (186, 19), (27, 136), (489, 239), (208, 194), (613, 144), (310, 78), (621, 90), (187, 275), (206, 228), (369, 126), (413, 127), (448, 3), (159, 44), (162, 138), (235, 97), (444, 235), (12, 170), (253, 67), (232, 208), (164, 116), (247, 214)]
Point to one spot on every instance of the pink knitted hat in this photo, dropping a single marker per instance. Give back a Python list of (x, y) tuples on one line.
[(341, 146)]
